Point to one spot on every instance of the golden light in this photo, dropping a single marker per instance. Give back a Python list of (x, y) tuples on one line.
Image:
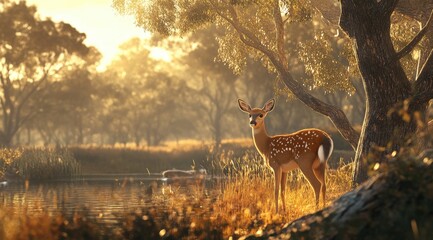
[(105, 30), (158, 53)]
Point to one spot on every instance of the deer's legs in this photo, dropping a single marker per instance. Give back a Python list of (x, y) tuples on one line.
[(283, 189), (319, 172), (278, 174), (311, 177)]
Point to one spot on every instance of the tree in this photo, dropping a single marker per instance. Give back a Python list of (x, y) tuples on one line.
[(395, 104), (67, 108), (258, 28), (215, 82), (32, 52), (147, 88)]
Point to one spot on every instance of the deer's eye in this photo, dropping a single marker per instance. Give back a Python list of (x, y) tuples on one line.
[(249, 115), (261, 115)]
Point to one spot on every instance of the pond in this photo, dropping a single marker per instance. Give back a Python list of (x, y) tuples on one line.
[(106, 198)]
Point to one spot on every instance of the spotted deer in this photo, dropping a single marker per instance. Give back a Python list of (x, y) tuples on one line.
[(307, 149)]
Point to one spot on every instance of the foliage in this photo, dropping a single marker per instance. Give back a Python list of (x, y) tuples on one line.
[(39, 164), (257, 18), (213, 84), (33, 51), (402, 29), (68, 108), (147, 104), (328, 60)]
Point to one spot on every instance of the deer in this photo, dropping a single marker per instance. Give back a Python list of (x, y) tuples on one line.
[(307, 149)]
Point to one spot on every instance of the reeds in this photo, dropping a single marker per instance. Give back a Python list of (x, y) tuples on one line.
[(38, 163)]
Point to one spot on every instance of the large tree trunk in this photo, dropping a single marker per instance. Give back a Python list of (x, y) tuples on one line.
[(389, 119)]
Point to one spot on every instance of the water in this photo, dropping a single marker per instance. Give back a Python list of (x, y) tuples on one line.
[(106, 198)]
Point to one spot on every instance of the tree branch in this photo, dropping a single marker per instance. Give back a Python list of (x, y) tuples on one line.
[(411, 45), (423, 89), (279, 38)]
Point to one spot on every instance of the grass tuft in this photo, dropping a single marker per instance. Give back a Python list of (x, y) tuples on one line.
[(37, 164)]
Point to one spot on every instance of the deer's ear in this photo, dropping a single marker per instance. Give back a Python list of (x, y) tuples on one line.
[(244, 106), (269, 105)]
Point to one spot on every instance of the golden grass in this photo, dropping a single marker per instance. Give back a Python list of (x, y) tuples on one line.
[(247, 202), (38, 163), (19, 226)]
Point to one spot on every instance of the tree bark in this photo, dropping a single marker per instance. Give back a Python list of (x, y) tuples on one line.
[(389, 118), (416, 9)]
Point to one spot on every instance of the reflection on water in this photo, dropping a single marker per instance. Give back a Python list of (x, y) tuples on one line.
[(105, 197)]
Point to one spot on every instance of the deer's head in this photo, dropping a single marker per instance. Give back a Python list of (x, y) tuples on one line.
[(257, 115)]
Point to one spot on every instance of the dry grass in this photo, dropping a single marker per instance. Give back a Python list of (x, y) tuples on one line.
[(38, 163), (247, 202), (19, 226)]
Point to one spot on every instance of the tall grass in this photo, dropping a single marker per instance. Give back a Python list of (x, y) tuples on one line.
[(38, 163), (247, 202)]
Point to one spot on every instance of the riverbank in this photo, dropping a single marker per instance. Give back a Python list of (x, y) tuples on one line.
[(184, 155)]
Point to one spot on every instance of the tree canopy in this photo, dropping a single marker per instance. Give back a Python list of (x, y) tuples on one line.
[(33, 51)]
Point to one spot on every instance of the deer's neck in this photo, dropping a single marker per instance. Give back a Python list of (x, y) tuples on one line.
[(261, 139)]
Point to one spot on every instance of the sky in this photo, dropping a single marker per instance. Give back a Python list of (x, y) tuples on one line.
[(104, 27)]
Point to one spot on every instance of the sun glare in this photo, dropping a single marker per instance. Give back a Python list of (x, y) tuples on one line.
[(106, 31), (158, 53)]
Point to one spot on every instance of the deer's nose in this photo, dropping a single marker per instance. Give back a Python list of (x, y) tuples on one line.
[(253, 122)]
